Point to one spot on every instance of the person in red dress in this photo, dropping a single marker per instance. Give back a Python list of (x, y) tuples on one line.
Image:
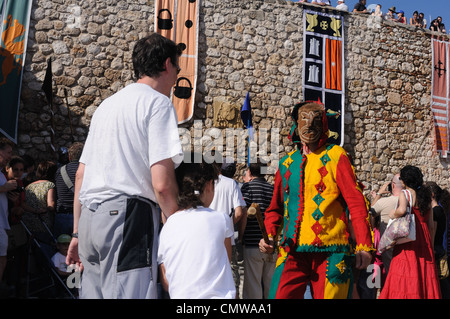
[(412, 273)]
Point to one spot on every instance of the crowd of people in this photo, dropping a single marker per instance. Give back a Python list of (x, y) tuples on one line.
[(418, 19), (136, 217), (37, 204)]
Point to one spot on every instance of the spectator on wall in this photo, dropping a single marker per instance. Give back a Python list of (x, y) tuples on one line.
[(341, 5), (401, 17), (377, 12), (321, 2), (360, 7), (390, 15)]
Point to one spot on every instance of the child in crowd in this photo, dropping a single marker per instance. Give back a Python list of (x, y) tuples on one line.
[(195, 242), (59, 258)]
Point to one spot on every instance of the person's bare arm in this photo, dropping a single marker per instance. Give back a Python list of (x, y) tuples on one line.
[(239, 213), (432, 226), (51, 202), (72, 253), (401, 208), (165, 186), (242, 223), (8, 186), (162, 278), (228, 247)]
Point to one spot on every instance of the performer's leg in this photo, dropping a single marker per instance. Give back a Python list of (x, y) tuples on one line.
[(291, 276), (331, 278)]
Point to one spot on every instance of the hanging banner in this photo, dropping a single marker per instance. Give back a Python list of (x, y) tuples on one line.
[(440, 96), (178, 21), (15, 19), (323, 71)]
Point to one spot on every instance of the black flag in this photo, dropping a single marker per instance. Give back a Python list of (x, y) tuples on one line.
[(47, 86)]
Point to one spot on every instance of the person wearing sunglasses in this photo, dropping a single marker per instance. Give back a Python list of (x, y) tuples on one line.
[(126, 179)]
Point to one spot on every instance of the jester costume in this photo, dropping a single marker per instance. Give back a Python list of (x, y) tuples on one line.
[(315, 196)]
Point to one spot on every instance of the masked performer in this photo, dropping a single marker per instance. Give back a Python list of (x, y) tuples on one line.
[(316, 195)]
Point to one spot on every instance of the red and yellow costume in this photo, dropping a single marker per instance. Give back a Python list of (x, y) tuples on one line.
[(314, 197)]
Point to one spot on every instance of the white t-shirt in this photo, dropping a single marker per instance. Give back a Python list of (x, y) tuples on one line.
[(321, 1), (130, 131), (59, 261), (192, 249), (342, 6), (227, 196), (3, 205)]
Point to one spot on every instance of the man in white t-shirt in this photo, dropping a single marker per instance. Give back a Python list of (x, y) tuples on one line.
[(228, 199), (127, 166), (341, 5)]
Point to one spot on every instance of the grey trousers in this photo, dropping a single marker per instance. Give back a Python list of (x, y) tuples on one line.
[(258, 272), (118, 245)]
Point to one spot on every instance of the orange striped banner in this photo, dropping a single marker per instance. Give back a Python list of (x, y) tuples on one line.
[(333, 71), (178, 21)]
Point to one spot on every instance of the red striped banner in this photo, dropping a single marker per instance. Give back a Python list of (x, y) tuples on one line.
[(440, 95)]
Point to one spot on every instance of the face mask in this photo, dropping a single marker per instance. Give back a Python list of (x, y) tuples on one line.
[(310, 126)]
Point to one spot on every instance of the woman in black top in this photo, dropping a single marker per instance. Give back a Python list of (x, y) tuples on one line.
[(441, 207)]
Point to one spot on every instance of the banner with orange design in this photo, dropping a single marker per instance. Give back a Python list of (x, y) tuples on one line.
[(323, 66), (178, 21), (440, 96), (15, 20)]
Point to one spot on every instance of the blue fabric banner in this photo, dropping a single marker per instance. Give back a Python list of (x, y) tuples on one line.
[(15, 20), (246, 115)]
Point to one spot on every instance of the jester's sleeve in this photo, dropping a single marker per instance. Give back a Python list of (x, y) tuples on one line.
[(354, 198), (274, 213)]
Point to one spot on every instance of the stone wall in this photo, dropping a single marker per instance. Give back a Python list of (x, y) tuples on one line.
[(254, 46)]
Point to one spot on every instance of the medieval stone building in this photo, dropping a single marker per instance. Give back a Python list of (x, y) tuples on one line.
[(244, 46)]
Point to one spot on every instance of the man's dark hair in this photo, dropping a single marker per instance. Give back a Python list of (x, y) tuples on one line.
[(14, 160), (150, 54), (255, 169)]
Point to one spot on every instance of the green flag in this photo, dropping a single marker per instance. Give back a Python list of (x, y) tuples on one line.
[(15, 20)]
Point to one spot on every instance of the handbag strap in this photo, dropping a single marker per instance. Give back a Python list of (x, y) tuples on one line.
[(66, 178), (408, 200)]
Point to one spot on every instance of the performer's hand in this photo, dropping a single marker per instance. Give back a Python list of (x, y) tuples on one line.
[(363, 259), (266, 248)]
